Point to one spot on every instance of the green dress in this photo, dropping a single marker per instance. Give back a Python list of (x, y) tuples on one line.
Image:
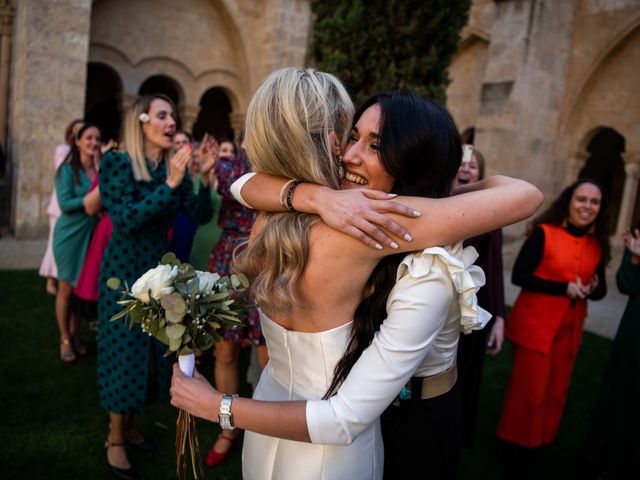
[(142, 214), (73, 230), (612, 444), (207, 235)]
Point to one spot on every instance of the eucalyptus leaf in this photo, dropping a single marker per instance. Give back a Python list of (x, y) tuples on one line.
[(174, 343), (161, 336), (173, 317), (181, 287), (193, 286), (174, 303), (169, 259), (235, 281), (243, 279), (114, 283), (175, 331), (213, 324)]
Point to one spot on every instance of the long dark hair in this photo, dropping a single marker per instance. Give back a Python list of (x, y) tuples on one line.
[(558, 213), (421, 148), (73, 157)]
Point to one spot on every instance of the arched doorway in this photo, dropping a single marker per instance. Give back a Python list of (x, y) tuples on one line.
[(468, 136), (213, 117), (165, 85), (102, 100), (605, 164)]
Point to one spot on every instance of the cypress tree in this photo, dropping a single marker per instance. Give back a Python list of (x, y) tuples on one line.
[(377, 45)]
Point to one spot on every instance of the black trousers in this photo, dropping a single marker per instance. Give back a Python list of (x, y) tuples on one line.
[(423, 436)]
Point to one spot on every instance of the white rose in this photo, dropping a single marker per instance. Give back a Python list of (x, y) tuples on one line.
[(159, 280), (207, 281)]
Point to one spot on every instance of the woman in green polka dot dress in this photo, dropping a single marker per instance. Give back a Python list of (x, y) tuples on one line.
[(142, 190)]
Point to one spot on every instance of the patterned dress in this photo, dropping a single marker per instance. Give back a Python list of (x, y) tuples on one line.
[(142, 214), (236, 221)]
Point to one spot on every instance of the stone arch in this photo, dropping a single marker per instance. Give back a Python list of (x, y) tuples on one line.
[(175, 40), (604, 163), (468, 135), (103, 99), (467, 72), (607, 98), (215, 115)]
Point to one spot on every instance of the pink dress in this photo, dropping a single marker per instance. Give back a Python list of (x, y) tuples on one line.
[(87, 285), (48, 265)]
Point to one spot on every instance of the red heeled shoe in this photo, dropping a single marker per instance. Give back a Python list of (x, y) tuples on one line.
[(215, 458)]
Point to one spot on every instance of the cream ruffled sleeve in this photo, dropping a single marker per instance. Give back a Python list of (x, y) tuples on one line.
[(418, 308)]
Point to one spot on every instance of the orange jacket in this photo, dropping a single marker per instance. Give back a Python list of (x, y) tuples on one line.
[(535, 316)]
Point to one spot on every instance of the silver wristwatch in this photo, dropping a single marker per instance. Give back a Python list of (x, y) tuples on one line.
[(225, 418)]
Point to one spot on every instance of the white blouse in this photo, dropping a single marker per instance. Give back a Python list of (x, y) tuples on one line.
[(433, 300)]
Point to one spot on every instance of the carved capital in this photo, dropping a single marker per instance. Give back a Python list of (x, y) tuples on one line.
[(632, 164)]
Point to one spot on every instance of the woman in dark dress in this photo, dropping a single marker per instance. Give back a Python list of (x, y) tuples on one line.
[(142, 189), (612, 444), (473, 347)]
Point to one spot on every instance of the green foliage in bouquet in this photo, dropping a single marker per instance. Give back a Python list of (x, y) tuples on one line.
[(182, 307)]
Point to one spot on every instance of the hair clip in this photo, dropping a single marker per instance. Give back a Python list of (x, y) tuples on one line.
[(144, 117)]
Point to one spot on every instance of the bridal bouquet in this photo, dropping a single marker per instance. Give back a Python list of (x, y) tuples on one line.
[(183, 308)]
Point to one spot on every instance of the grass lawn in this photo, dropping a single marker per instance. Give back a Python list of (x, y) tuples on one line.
[(53, 427)]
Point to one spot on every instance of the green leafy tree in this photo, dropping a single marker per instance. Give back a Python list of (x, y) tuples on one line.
[(376, 45)]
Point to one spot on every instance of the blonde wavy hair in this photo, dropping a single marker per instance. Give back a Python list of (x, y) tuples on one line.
[(133, 135), (292, 122)]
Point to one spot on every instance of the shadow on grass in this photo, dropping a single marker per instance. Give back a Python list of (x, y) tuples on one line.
[(53, 427)]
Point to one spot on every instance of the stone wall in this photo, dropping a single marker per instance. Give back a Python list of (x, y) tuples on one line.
[(49, 58), (199, 44), (554, 72)]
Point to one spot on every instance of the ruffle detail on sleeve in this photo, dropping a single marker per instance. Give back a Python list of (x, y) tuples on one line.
[(466, 277)]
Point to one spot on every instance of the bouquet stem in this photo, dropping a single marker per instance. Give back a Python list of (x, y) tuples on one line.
[(186, 432)]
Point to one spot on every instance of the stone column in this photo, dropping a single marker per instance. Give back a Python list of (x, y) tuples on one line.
[(630, 191), (6, 23), (48, 83), (237, 124), (188, 116)]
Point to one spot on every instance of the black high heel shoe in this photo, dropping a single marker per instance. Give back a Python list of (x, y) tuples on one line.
[(146, 446), (124, 473)]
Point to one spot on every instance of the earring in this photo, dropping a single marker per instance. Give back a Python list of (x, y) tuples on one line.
[(340, 161), (341, 167), (144, 117)]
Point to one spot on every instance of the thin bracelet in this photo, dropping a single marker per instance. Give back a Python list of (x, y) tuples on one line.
[(290, 191), (283, 190)]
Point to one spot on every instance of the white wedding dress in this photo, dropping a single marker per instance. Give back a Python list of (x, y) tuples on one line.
[(434, 298), (301, 368)]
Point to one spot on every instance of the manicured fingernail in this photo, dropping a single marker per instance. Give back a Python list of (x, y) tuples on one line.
[(378, 246), (394, 245), (408, 238), (391, 195), (416, 213)]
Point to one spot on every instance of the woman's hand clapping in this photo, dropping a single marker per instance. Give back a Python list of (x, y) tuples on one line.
[(208, 153), (178, 166), (632, 241)]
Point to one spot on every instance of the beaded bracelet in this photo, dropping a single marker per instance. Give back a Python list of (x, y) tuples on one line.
[(283, 191), (290, 191)]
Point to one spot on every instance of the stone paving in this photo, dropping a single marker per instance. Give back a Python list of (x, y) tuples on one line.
[(603, 319)]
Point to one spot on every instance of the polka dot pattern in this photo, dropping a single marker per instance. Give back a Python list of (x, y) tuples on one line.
[(141, 221)]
